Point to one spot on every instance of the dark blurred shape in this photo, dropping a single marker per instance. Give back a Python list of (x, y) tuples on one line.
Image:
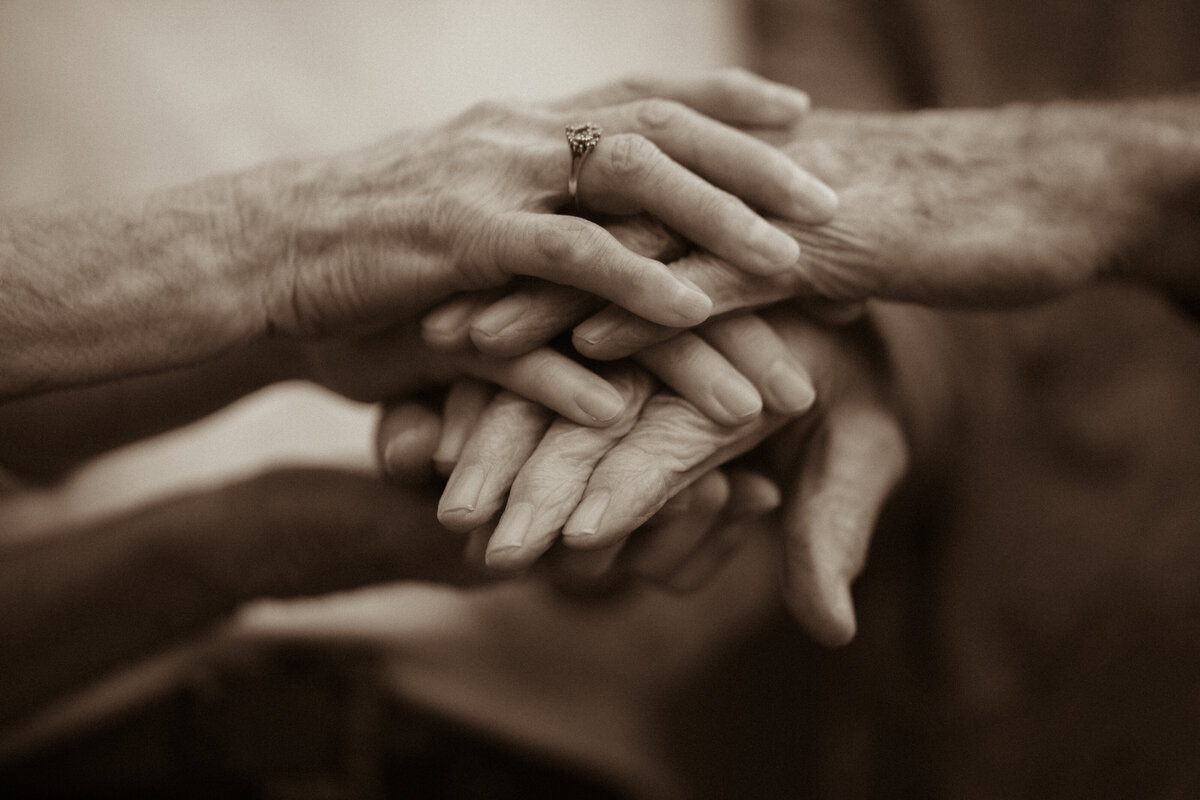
[(294, 722), (918, 53)]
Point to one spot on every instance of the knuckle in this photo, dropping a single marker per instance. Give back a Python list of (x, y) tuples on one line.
[(631, 154), (568, 240), (655, 114)]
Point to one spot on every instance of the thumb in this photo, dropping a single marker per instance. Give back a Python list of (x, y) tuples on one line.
[(855, 460)]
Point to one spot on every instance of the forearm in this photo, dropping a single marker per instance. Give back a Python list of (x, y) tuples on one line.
[(77, 605), (137, 286), (44, 436), (1003, 205), (1156, 150)]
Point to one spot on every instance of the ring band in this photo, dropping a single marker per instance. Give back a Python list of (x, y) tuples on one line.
[(582, 139)]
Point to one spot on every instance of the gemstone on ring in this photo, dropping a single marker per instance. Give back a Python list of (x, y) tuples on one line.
[(582, 138)]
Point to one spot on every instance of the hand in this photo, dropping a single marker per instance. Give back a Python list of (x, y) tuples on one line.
[(837, 465), (365, 238), (976, 207), (680, 547), (699, 365)]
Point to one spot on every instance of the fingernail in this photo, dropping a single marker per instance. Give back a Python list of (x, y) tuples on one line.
[(776, 248), (791, 390), (738, 397), (602, 403), (813, 200), (793, 98), (595, 330), (588, 515), (495, 319), (462, 491), (446, 327), (691, 305), (509, 536)]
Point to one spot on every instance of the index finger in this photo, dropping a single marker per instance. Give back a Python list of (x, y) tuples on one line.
[(575, 252), (672, 444)]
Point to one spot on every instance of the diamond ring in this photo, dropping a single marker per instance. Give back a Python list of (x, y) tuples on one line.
[(582, 139)]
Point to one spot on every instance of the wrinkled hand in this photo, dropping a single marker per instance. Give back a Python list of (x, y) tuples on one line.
[(680, 546), (593, 488), (975, 207), (365, 238)]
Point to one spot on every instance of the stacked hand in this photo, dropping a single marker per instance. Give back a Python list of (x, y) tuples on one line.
[(976, 208), (522, 481)]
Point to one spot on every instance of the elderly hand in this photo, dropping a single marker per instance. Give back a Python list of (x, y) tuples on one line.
[(372, 235), (593, 488), (625, 175), (356, 243), (680, 546), (975, 207)]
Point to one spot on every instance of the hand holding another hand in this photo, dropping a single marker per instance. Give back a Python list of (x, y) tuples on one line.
[(597, 491)]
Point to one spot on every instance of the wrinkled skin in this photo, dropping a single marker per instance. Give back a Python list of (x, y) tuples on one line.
[(382, 232), (976, 207), (593, 488)]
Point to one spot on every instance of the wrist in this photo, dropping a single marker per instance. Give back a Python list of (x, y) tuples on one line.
[(221, 264), (1152, 150)]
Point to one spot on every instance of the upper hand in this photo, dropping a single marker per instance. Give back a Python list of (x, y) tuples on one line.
[(974, 207), (366, 238)]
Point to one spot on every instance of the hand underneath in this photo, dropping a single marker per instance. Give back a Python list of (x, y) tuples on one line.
[(597, 489)]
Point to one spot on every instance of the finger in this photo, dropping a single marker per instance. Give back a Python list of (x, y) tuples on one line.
[(529, 317), (545, 491), (476, 546), (628, 173), (575, 252), (732, 95), (751, 494), (465, 401), (552, 379), (405, 440), (833, 312), (829, 521), (614, 333), (751, 169), (708, 559), (502, 439), (675, 533), (447, 327), (672, 444), (585, 570), (695, 370), (756, 351), (532, 315)]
